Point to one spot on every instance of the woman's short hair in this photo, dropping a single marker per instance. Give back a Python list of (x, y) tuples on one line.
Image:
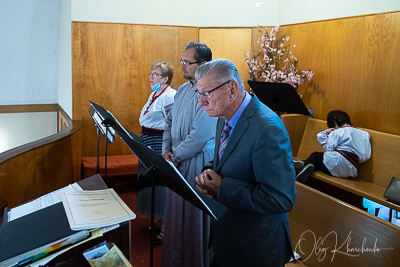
[(166, 70), (338, 116)]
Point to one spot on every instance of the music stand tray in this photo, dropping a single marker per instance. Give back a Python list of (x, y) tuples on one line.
[(279, 97)]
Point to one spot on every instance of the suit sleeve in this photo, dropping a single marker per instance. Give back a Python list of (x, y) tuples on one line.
[(267, 183)]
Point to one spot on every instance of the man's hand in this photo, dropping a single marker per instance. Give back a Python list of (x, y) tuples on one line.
[(168, 156), (209, 183), (199, 180)]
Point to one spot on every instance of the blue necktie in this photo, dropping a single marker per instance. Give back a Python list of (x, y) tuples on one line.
[(224, 139)]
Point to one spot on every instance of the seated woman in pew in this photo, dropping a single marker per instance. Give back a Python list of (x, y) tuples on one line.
[(345, 147)]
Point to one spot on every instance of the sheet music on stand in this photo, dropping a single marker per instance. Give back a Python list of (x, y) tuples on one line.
[(99, 120), (106, 115)]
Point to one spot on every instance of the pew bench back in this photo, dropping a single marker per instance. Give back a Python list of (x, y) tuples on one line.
[(319, 224), (374, 175), (379, 169)]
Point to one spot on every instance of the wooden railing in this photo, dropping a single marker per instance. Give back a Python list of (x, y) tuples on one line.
[(42, 166)]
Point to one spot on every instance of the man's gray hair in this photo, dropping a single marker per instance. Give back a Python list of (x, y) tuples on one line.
[(222, 68)]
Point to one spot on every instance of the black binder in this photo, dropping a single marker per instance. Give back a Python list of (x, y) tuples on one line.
[(20, 238)]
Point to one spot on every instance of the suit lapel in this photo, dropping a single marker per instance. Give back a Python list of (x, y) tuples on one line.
[(237, 133)]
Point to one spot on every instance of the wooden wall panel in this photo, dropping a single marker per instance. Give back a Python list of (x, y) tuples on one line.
[(230, 43), (356, 61), (110, 66)]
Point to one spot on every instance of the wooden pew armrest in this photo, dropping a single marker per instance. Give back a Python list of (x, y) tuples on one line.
[(358, 187), (295, 125)]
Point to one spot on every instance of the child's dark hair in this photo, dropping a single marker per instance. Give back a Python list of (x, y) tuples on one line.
[(338, 116)]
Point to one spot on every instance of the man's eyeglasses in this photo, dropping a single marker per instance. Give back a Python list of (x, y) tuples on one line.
[(207, 94), (187, 63), (154, 74)]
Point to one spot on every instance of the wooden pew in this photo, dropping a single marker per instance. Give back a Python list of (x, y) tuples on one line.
[(374, 175), (117, 165), (328, 232), (121, 169)]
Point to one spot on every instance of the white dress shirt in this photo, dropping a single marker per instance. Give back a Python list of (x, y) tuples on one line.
[(349, 139), (158, 111)]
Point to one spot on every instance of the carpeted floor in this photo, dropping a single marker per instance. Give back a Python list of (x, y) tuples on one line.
[(140, 255)]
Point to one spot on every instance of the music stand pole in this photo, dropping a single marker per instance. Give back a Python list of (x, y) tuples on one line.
[(153, 192), (98, 151), (151, 173), (107, 125), (105, 157)]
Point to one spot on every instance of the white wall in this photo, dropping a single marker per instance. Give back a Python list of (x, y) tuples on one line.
[(65, 59), (28, 51), (296, 11), (21, 128), (224, 12), (178, 12)]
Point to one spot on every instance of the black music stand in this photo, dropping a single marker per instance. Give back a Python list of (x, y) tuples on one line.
[(106, 123), (158, 169), (280, 97)]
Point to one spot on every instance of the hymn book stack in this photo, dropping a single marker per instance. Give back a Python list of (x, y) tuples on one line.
[(35, 235)]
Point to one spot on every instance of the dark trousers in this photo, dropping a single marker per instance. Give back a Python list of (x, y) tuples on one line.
[(214, 262), (317, 159)]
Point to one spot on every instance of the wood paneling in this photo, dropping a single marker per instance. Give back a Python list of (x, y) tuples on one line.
[(230, 43), (110, 66), (29, 108), (356, 61)]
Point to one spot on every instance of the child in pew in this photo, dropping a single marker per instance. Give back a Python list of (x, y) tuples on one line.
[(345, 147)]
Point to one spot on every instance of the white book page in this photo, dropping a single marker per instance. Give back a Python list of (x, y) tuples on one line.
[(95, 208), (40, 203)]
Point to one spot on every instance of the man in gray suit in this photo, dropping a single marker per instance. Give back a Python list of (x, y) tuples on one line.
[(251, 174)]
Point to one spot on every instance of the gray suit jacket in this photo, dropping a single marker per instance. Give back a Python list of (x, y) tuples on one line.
[(258, 190)]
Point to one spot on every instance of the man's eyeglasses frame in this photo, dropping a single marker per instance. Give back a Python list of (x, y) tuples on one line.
[(207, 94), (187, 63)]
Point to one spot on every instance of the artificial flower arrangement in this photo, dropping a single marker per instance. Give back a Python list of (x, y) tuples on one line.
[(278, 64)]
